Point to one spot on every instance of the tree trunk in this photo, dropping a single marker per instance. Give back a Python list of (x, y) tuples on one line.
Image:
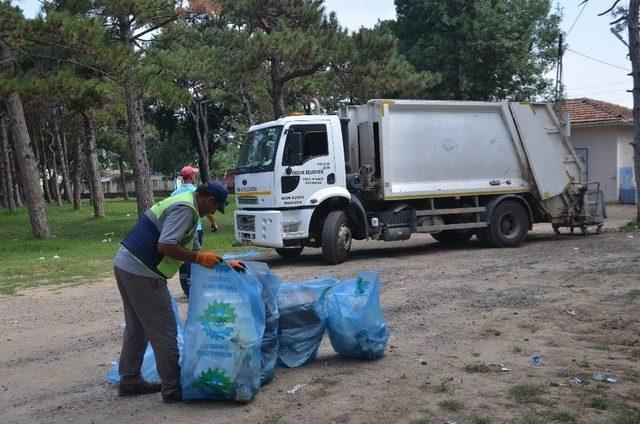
[(24, 154), (634, 53), (247, 105), (15, 177), (140, 164), (44, 169), (205, 173), (199, 116), (123, 178), (17, 194), (18, 197), (277, 89), (7, 180), (3, 181), (97, 196), (77, 173), (62, 162), (54, 174)]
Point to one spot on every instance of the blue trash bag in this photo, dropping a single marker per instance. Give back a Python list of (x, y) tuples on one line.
[(223, 335), (303, 320), (241, 255), (356, 324), (148, 369), (270, 285)]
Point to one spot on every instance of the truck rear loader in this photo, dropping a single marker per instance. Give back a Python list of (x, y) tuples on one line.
[(392, 168)]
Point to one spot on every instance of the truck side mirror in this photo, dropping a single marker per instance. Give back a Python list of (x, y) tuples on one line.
[(293, 149)]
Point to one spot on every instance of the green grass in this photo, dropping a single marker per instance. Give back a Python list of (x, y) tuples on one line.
[(627, 416), (324, 381), (529, 326), (571, 373), (603, 346), (477, 368), (526, 393), (630, 227), (564, 417), (634, 294), (78, 243), (451, 405), (445, 387), (272, 419), (602, 403)]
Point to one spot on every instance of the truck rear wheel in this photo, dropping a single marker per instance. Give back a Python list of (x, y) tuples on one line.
[(290, 253), (508, 225), (336, 238), (452, 236)]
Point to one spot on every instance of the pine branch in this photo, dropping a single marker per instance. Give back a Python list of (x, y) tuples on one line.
[(74, 63), (300, 73), (157, 26), (620, 19), (609, 9)]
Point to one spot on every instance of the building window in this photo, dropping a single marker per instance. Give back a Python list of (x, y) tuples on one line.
[(583, 153)]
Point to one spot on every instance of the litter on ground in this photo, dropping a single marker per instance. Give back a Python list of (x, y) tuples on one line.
[(294, 389)]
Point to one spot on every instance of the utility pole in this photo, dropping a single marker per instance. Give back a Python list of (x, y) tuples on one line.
[(558, 90)]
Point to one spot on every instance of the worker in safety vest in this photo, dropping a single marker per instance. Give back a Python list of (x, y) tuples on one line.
[(149, 255), (188, 175)]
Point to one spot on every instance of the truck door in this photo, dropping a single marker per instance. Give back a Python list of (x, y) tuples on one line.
[(307, 163)]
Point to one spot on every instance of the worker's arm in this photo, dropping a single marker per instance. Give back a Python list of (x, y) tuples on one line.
[(212, 221), (177, 223), (177, 251), (200, 257)]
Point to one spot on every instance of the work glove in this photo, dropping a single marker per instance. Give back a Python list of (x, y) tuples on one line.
[(237, 265), (208, 259)]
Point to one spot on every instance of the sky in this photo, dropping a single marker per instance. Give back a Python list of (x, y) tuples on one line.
[(582, 76)]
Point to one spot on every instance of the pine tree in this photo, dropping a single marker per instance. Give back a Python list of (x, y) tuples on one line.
[(482, 49), (10, 20), (8, 198), (294, 38)]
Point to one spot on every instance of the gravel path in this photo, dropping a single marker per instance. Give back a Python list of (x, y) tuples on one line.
[(571, 300)]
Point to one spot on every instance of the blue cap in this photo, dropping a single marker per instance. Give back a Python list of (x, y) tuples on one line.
[(217, 190)]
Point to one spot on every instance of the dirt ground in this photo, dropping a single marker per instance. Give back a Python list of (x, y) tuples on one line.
[(571, 300)]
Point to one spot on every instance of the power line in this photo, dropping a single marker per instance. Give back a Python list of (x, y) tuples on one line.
[(598, 60), (576, 19)]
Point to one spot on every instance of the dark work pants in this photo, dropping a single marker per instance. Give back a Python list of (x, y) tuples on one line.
[(149, 318)]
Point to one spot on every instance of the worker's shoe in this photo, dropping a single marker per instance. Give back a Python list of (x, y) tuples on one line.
[(173, 396), (143, 388)]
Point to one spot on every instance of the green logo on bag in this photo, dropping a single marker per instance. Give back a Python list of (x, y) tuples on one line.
[(361, 285), (216, 319), (216, 381)]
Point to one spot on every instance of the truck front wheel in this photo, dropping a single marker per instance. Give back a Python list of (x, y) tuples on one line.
[(508, 225), (290, 253), (336, 238)]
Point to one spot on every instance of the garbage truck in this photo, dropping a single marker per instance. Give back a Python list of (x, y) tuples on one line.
[(389, 169)]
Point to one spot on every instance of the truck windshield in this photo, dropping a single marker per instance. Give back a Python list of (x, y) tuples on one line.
[(258, 150)]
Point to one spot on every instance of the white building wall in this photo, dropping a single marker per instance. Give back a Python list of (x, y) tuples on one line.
[(625, 160), (602, 145)]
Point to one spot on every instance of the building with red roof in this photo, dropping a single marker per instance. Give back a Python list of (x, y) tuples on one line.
[(601, 133)]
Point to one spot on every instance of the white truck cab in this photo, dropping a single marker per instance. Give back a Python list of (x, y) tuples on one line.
[(391, 168), (286, 169)]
